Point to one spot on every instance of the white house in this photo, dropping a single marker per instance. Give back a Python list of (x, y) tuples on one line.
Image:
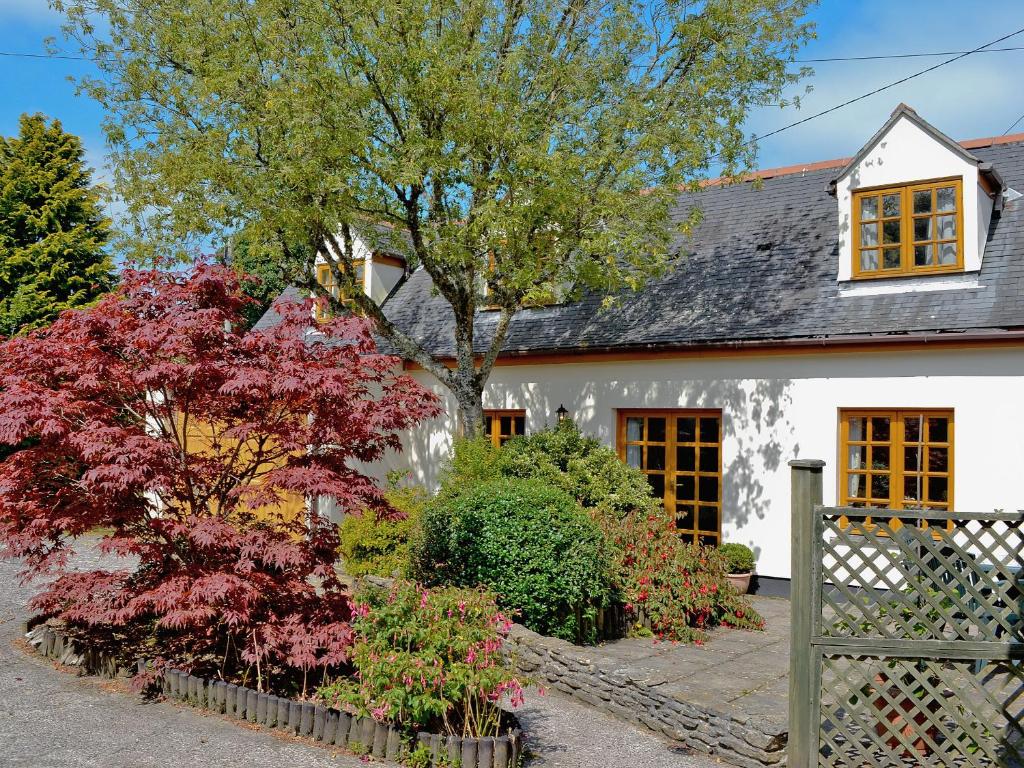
[(867, 311)]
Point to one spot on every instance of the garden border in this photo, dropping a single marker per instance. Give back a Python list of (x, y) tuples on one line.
[(300, 718), (748, 742)]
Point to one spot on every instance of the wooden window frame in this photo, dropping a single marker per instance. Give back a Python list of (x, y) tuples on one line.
[(671, 416), (325, 277), (897, 472), (906, 219), (493, 418)]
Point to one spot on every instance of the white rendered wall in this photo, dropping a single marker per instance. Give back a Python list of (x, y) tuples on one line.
[(381, 279), (775, 408), (903, 155)]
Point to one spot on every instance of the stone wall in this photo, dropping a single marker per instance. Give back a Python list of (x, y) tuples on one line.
[(746, 741)]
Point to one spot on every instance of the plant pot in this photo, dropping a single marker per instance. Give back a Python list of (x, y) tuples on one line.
[(907, 718), (740, 581)]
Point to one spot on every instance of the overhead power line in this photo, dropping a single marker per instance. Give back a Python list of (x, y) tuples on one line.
[(886, 87), (904, 55), (1013, 125)]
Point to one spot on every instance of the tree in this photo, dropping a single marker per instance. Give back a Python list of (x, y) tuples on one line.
[(263, 280), (52, 230), (154, 415), (515, 148)]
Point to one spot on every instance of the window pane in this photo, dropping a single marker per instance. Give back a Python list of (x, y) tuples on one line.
[(634, 429), (708, 487), (858, 457), (938, 488), (488, 425), (707, 540), (880, 457), (868, 208), (938, 430), (891, 258), (923, 229), (880, 487), (656, 430), (868, 235), (945, 198), (858, 428), (519, 422), (912, 459), (707, 518), (635, 456), (708, 459), (657, 482), (686, 429), (923, 255), (879, 428), (506, 425), (891, 231), (655, 457), (856, 486), (938, 459), (891, 205), (912, 489), (911, 429), (869, 260), (684, 516), (686, 458), (923, 201), (946, 227), (947, 253), (709, 430), (686, 488)]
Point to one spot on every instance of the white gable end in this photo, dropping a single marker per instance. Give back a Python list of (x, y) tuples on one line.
[(907, 152)]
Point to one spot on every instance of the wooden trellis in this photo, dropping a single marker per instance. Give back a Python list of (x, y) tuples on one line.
[(908, 635)]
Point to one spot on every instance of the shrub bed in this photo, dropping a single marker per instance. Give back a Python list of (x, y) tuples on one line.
[(528, 542), (377, 544)]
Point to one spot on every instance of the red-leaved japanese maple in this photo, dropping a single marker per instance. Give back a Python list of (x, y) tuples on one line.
[(150, 415)]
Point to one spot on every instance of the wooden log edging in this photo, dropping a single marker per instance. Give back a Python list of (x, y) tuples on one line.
[(329, 726), (745, 741)]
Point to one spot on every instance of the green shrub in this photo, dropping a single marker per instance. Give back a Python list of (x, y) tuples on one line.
[(429, 659), (380, 546), (527, 541), (738, 558)]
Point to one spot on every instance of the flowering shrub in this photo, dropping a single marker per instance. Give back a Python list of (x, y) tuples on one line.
[(540, 553), (679, 586), (156, 416), (429, 659)]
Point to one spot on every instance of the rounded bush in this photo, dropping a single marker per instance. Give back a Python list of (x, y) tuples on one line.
[(738, 558), (379, 546), (529, 543)]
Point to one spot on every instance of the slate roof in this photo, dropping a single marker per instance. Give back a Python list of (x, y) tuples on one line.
[(760, 267)]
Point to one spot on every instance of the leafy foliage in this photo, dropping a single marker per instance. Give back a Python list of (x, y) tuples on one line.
[(738, 557), (379, 544), (528, 542), (262, 279), (154, 415), (429, 659), (680, 588), (52, 230), (524, 146)]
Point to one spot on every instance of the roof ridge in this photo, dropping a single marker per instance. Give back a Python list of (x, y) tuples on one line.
[(840, 162)]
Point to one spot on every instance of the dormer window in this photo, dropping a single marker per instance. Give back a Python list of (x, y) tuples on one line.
[(908, 229), (325, 277)]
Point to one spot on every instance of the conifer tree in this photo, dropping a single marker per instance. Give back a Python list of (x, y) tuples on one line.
[(52, 229)]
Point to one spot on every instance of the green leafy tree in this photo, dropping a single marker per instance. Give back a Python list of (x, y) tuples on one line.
[(515, 150), (52, 230), (263, 279)]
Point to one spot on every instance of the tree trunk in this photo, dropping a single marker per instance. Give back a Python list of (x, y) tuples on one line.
[(469, 396)]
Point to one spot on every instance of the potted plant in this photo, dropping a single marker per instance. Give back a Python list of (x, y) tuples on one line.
[(739, 561)]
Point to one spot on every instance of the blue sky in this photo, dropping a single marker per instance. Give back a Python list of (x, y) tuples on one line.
[(978, 96)]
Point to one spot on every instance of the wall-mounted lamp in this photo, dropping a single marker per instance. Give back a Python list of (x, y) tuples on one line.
[(562, 412)]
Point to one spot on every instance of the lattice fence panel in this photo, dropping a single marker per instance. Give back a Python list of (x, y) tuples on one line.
[(879, 711)]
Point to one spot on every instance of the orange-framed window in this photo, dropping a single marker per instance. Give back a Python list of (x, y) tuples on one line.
[(325, 277), (896, 459), (680, 451), (911, 229), (502, 426)]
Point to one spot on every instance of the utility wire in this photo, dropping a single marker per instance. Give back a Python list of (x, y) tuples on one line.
[(1013, 125), (879, 90), (903, 55)]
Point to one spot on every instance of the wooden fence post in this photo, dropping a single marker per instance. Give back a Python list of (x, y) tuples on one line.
[(803, 732)]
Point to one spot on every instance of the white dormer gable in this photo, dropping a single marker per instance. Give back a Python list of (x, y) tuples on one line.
[(377, 272), (905, 161)]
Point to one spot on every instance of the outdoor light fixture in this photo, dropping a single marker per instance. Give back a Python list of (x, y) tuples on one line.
[(562, 412)]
